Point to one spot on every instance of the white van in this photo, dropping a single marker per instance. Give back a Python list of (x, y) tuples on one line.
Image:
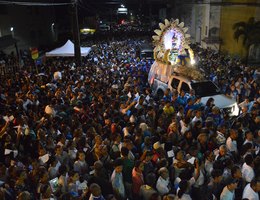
[(160, 79)]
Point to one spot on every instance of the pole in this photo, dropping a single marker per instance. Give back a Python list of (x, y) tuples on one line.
[(75, 24), (18, 57), (17, 52)]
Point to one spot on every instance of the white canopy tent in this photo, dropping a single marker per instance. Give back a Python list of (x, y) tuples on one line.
[(67, 50)]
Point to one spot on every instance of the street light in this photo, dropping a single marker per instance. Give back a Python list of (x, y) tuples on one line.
[(12, 31), (53, 31), (122, 5)]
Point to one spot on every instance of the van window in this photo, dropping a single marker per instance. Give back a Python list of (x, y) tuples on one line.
[(205, 88), (175, 83), (185, 87)]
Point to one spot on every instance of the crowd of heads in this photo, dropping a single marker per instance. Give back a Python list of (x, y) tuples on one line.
[(98, 132)]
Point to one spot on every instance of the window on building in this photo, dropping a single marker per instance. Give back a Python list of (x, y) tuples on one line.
[(214, 31)]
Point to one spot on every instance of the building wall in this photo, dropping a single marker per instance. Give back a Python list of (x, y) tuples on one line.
[(229, 16), (212, 19), (257, 12), (214, 23), (200, 18)]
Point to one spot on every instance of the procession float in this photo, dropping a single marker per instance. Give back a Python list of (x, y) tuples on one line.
[(172, 52)]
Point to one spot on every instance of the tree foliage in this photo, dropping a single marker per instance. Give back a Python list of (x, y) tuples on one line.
[(248, 31)]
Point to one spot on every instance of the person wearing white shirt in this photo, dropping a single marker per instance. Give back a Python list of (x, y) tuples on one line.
[(244, 103), (163, 182), (221, 138), (228, 193), (80, 165), (251, 190), (209, 162), (247, 169), (196, 118), (185, 125), (231, 142), (249, 137)]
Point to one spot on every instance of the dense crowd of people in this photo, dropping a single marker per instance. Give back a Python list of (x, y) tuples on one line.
[(98, 132)]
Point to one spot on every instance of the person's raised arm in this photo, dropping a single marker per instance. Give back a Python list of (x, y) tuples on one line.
[(197, 169), (2, 131)]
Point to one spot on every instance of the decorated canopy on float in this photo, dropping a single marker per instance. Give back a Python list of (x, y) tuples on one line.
[(172, 52), (67, 50)]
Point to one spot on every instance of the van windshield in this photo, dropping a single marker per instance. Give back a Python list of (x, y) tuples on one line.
[(146, 51), (147, 54), (205, 88)]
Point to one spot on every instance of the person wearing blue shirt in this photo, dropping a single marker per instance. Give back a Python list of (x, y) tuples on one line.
[(191, 95), (167, 95), (181, 98), (191, 105)]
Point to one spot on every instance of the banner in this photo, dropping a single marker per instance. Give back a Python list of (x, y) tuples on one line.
[(34, 53)]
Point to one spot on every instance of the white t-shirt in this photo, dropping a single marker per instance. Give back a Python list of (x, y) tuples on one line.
[(247, 173), (185, 197), (249, 193), (226, 194), (231, 145), (162, 185)]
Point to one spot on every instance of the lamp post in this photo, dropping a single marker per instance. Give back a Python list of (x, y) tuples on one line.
[(75, 24)]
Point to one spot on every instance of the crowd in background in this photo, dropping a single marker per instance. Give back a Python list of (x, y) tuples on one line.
[(98, 132)]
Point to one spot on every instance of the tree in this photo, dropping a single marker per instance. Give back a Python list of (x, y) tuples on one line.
[(249, 32)]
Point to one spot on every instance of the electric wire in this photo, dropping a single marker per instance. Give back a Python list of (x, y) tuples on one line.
[(23, 3)]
